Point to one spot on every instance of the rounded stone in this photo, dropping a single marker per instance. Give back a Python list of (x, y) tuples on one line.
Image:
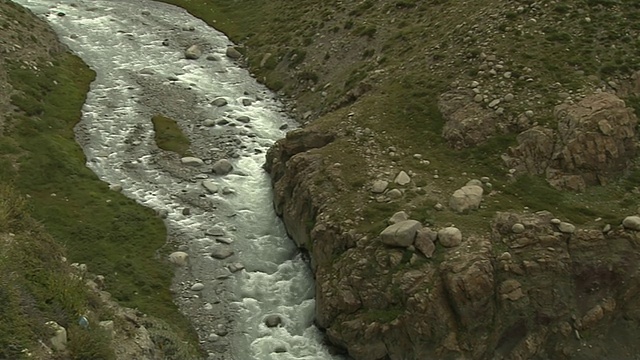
[(632, 223), (517, 228), (272, 320), (197, 287)]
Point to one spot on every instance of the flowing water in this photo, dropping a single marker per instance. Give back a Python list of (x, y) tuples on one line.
[(137, 50)]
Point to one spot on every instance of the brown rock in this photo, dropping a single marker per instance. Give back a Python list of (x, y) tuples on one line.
[(467, 122), (424, 241)]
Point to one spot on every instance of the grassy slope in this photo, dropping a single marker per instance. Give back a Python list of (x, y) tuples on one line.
[(410, 51), (112, 234)]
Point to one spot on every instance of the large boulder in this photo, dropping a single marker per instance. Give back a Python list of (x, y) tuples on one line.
[(466, 198), (400, 234)]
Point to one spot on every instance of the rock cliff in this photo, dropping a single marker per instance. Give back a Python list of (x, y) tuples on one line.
[(530, 287)]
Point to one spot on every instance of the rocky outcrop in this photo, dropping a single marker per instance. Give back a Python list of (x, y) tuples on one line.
[(298, 196), (594, 142), (467, 122), (508, 294)]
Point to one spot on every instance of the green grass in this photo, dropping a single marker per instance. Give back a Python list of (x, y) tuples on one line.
[(36, 287), (110, 233), (169, 136)]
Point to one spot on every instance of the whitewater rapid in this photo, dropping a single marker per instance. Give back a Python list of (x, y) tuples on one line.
[(137, 50)]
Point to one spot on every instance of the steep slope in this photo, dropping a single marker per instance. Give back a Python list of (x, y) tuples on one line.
[(57, 220)]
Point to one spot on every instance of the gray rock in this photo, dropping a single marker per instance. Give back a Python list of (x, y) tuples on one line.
[(191, 161), (466, 198), (179, 258), (400, 234), (186, 211), (210, 186), (212, 57), (193, 52), (233, 53), (438, 207), (222, 167), (235, 267), (197, 287), (163, 213), (424, 241), (59, 339), (394, 194), (220, 251), (632, 222), (402, 178), (215, 231), (272, 320), (379, 186), (555, 221), (398, 217), (517, 228), (474, 182), (219, 102), (209, 122), (115, 187), (246, 101), (450, 236), (566, 228), (243, 119)]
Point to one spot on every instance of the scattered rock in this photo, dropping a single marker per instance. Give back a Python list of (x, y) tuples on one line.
[(402, 178), (243, 119), (272, 320), (193, 52), (450, 236), (222, 167), (186, 211), (115, 187), (394, 194), (210, 186), (517, 228), (398, 217), (219, 102), (220, 251), (233, 53), (192, 161), (215, 231), (197, 287), (466, 198), (424, 241), (235, 267), (632, 222), (566, 228), (379, 186), (400, 234), (179, 258), (59, 339)]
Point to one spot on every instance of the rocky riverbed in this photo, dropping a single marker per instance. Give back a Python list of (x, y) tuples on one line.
[(239, 277)]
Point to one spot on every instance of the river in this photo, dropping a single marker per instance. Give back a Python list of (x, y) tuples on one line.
[(137, 50)]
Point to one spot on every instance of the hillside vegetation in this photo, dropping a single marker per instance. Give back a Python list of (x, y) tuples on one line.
[(54, 211), (387, 63)]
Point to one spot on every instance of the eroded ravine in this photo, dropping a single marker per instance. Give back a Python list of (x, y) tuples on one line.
[(137, 50)]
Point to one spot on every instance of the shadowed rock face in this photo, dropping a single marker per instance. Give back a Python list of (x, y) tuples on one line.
[(594, 143), (504, 295)]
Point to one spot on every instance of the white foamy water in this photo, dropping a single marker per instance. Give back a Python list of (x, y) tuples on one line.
[(121, 42)]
